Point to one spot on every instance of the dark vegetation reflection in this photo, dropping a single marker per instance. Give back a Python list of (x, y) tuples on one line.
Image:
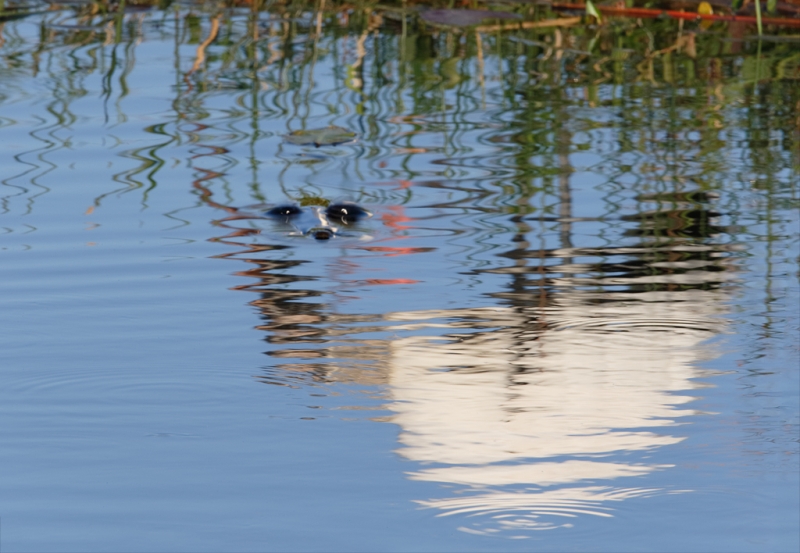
[(577, 365)]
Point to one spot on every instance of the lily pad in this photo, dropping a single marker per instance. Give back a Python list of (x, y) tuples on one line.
[(328, 136), (463, 18)]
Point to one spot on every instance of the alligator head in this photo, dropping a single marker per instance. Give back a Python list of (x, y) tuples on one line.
[(319, 222)]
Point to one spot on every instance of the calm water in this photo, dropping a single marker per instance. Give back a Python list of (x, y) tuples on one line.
[(571, 323)]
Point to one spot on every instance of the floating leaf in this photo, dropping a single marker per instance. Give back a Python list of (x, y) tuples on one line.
[(593, 11), (463, 18), (306, 199), (328, 136)]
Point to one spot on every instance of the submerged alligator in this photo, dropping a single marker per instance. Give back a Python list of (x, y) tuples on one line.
[(315, 217), (317, 221)]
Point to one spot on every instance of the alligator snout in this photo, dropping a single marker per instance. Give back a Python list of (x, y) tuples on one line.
[(319, 222)]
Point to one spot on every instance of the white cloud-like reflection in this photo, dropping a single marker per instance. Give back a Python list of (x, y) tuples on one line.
[(530, 412)]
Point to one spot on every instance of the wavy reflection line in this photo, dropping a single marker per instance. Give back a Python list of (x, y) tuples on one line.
[(40, 169), (535, 510)]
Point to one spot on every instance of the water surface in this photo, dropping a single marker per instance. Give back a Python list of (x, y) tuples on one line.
[(570, 324)]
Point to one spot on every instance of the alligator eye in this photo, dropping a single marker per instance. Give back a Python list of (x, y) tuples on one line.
[(346, 213), (284, 211)]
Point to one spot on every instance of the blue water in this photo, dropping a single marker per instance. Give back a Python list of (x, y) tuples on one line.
[(571, 323)]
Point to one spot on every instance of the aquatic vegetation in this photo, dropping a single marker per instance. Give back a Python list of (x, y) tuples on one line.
[(327, 136)]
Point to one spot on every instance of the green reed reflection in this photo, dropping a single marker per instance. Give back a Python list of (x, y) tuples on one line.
[(410, 88)]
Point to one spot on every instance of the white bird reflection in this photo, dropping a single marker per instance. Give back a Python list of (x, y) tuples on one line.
[(529, 417), (578, 379)]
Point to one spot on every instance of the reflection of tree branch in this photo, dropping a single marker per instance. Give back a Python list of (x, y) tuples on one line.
[(561, 22), (319, 22), (684, 42), (356, 83), (481, 82), (235, 215), (205, 192), (201, 49), (109, 30)]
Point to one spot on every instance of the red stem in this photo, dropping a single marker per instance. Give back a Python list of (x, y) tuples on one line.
[(648, 12)]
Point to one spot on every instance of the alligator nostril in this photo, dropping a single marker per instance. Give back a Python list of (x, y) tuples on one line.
[(322, 234)]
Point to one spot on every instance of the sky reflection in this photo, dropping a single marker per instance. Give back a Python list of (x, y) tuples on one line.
[(521, 338)]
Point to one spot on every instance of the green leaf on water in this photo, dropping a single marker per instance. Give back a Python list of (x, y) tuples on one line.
[(327, 136), (771, 5), (593, 11)]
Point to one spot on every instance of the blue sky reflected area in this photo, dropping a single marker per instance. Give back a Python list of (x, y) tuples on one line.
[(570, 322)]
